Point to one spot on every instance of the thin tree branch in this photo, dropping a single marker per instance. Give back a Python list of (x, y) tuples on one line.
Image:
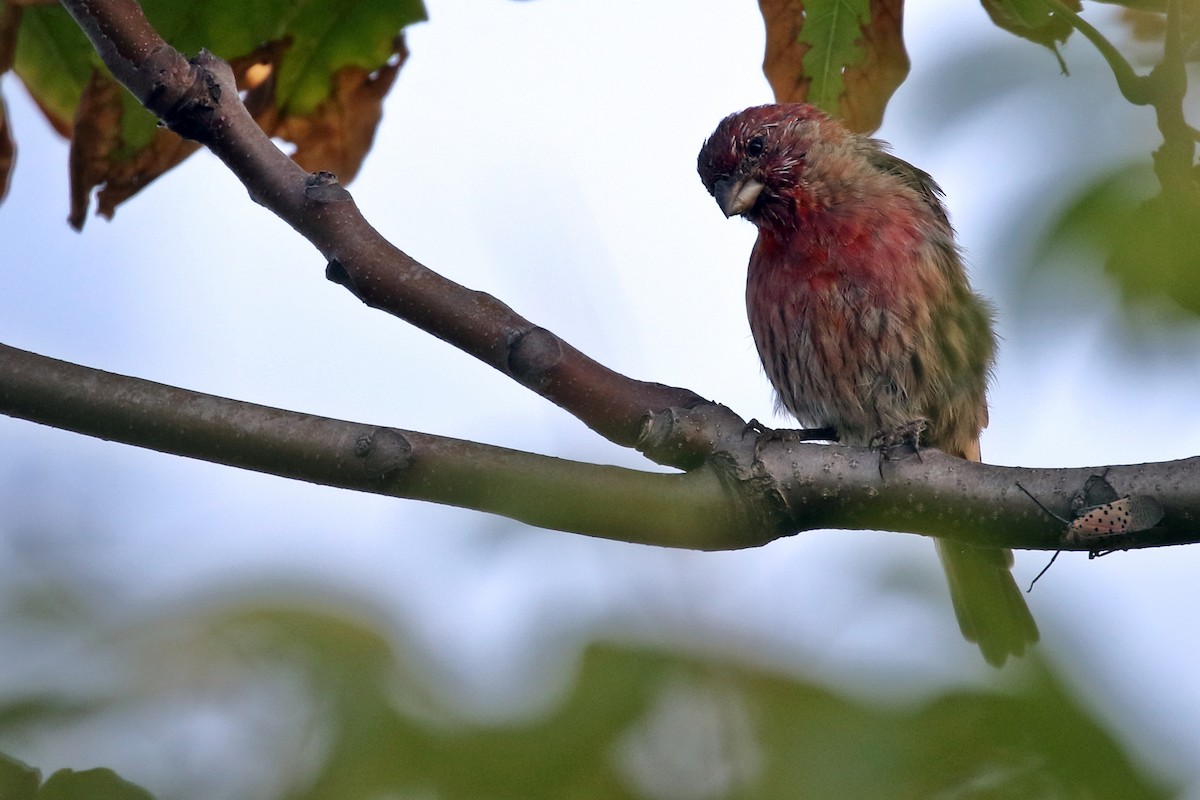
[(199, 100)]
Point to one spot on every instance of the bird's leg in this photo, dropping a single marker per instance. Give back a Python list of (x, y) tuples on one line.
[(894, 441)]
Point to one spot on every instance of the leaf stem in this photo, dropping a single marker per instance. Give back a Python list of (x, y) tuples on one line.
[(1136, 88)]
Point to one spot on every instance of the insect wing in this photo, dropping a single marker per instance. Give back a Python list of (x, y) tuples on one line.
[(1125, 515), (1144, 512)]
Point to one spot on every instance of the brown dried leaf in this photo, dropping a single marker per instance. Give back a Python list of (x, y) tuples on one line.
[(95, 157), (94, 138), (870, 73), (8, 151), (871, 84), (62, 126), (337, 135), (783, 62), (126, 178), (96, 144), (10, 20)]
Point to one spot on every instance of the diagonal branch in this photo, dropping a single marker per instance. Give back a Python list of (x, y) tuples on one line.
[(199, 100)]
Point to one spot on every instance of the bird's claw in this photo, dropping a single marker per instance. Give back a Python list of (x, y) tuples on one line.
[(787, 436), (756, 428), (893, 442)]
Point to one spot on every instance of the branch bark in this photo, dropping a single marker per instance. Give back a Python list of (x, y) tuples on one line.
[(757, 488), (744, 487), (680, 510)]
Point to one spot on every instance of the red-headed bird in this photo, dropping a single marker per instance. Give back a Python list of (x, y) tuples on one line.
[(862, 314)]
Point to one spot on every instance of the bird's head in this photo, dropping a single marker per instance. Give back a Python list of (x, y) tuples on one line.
[(757, 163)]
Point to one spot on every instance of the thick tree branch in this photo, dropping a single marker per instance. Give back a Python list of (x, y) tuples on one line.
[(680, 510), (735, 500)]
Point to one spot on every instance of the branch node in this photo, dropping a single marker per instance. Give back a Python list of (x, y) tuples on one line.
[(186, 94), (687, 436), (383, 453), (323, 188), (531, 354), (337, 273)]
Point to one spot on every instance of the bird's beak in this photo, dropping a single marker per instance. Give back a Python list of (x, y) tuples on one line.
[(737, 196)]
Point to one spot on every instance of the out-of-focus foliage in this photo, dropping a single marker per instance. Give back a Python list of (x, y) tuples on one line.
[(1141, 221), (21, 782), (315, 73), (847, 58), (1148, 242), (1145, 20), (1032, 20), (636, 723), (17, 780)]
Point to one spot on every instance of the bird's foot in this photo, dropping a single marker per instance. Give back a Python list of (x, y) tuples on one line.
[(789, 435), (898, 442), (786, 436)]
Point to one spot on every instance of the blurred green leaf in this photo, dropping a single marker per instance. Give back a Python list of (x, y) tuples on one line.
[(646, 723), (1034, 21), (631, 722), (91, 784), (18, 781), (55, 60), (1149, 242), (832, 31)]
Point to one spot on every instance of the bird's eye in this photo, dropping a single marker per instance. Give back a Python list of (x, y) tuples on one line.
[(755, 146)]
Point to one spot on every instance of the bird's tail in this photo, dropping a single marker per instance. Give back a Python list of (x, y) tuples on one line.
[(989, 606)]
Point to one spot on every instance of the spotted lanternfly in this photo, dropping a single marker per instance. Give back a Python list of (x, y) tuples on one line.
[(1130, 514), (1101, 513)]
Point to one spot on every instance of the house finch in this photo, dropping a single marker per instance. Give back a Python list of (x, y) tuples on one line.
[(861, 311)]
